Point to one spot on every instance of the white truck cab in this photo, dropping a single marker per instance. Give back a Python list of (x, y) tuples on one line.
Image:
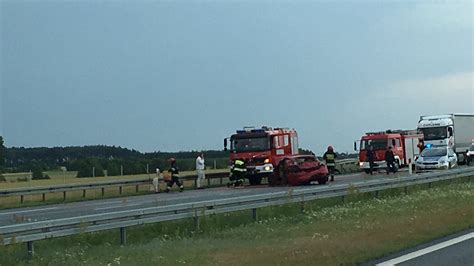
[(454, 131)]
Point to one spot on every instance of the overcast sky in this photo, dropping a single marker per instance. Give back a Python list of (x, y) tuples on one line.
[(182, 75)]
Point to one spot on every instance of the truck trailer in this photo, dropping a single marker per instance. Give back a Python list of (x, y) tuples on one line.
[(453, 130)]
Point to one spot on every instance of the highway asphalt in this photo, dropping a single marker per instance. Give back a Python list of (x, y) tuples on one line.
[(74, 209), (454, 250)]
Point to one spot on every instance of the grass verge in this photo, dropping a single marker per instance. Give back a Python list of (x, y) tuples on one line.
[(327, 233)]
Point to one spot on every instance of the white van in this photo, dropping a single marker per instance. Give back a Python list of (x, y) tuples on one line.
[(436, 157)]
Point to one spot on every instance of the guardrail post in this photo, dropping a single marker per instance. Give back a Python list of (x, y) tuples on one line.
[(254, 214), (208, 182), (84, 193), (195, 183), (22, 199), (302, 206), (120, 190), (136, 188), (123, 236), (31, 248), (406, 190), (343, 198), (64, 195), (196, 221), (429, 185), (376, 194), (103, 192), (44, 197)]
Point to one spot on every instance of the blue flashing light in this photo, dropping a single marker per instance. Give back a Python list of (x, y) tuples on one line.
[(428, 145)]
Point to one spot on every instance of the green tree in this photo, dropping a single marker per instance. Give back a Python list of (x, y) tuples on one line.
[(89, 167), (113, 168), (38, 174)]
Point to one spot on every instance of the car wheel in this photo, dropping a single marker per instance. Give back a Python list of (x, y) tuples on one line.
[(450, 166), (323, 180)]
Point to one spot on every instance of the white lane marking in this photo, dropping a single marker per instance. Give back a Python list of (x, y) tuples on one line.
[(115, 207), (427, 250), (32, 210)]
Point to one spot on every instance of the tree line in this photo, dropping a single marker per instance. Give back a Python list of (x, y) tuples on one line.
[(98, 160)]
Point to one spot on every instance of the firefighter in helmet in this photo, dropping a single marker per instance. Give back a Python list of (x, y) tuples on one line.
[(174, 176), (330, 159), (237, 173)]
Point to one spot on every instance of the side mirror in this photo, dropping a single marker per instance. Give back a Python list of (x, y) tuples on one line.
[(355, 145), (225, 144)]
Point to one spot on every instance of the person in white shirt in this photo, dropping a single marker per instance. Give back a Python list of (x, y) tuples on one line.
[(200, 171), (156, 181)]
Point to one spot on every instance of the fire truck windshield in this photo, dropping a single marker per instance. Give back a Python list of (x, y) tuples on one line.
[(377, 144), (435, 133), (250, 144)]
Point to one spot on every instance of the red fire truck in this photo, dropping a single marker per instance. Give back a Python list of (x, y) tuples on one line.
[(404, 143), (273, 153)]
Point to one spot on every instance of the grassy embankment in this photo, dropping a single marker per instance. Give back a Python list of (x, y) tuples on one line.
[(327, 233), (60, 178)]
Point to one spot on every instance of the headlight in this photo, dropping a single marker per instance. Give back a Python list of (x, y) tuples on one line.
[(361, 164), (267, 168), (468, 153), (266, 161)]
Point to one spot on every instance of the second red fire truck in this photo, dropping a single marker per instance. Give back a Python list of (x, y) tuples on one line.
[(405, 146)]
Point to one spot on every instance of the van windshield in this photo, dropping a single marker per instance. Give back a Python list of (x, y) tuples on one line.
[(434, 152), (435, 133)]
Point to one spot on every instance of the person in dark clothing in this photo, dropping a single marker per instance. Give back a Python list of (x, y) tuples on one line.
[(390, 159), (371, 159), (238, 172), (174, 176), (330, 159)]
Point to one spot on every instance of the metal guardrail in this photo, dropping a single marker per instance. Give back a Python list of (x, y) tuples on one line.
[(98, 185), (31, 231)]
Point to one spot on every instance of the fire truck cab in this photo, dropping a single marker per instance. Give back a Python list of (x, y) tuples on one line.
[(404, 143), (262, 149)]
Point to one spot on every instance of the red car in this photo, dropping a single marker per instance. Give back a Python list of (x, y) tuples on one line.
[(300, 170)]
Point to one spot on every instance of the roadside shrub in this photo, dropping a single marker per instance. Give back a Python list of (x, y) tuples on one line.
[(38, 174)]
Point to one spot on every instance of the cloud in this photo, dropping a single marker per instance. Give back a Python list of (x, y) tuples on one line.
[(450, 93)]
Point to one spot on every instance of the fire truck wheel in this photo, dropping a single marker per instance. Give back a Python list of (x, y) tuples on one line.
[(366, 171), (272, 180), (255, 180)]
